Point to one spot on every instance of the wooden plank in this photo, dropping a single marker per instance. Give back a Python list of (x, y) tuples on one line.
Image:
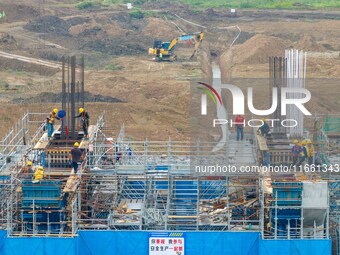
[(43, 141), (85, 142), (181, 217), (71, 183), (262, 142)]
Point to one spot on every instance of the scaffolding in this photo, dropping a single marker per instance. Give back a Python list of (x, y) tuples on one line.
[(150, 185)]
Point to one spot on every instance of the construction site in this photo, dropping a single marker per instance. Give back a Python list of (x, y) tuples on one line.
[(150, 179)]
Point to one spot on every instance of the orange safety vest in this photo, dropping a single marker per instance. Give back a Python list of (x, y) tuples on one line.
[(52, 117)]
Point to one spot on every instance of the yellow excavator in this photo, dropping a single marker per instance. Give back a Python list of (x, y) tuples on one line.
[(164, 51)]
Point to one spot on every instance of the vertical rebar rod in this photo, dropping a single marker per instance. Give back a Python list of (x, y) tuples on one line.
[(68, 93), (82, 81), (63, 94), (73, 85)]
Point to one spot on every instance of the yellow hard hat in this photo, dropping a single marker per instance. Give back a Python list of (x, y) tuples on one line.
[(81, 110), (29, 163), (263, 119), (303, 142), (76, 144), (40, 168), (309, 142), (296, 141), (55, 110)]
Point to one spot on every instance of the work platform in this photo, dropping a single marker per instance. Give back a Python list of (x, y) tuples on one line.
[(44, 141), (85, 142)]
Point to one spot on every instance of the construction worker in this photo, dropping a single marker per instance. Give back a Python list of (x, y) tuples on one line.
[(27, 171), (303, 154), (264, 129), (296, 150), (50, 122), (310, 152), (239, 121), (39, 174), (160, 56), (75, 156), (85, 120)]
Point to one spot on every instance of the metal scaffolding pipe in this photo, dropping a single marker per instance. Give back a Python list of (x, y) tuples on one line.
[(73, 88)]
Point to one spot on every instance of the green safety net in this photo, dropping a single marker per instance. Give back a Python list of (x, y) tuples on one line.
[(332, 124)]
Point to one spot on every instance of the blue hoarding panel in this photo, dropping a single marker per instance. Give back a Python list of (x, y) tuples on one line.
[(295, 247), (113, 242), (39, 246), (137, 243), (196, 243)]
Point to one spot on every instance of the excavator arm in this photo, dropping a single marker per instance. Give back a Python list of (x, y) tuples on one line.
[(167, 48), (199, 39)]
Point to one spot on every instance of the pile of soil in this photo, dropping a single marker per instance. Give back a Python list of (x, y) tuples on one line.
[(113, 46), (15, 64), (125, 20), (308, 43), (165, 5), (7, 41), (78, 21), (49, 97), (259, 48), (17, 12), (49, 24)]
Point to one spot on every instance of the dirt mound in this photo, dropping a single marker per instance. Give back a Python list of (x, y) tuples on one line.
[(308, 43), (165, 5), (87, 29), (77, 20), (18, 65), (114, 46), (49, 97), (257, 49), (125, 20), (17, 12), (49, 24), (159, 28), (7, 41)]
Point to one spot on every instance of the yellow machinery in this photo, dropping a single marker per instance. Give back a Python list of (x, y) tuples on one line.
[(164, 51)]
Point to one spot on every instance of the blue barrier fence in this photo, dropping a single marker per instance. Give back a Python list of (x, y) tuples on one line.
[(136, 243)]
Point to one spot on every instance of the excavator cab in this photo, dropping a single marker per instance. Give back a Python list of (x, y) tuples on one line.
[(157, 44)]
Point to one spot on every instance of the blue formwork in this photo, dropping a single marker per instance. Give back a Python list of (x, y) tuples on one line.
[(286, 195), (133, 189), (240, 212), (162, 185), (46, 197), (158, 167), (211, 189), (42, 194), (137, 243)]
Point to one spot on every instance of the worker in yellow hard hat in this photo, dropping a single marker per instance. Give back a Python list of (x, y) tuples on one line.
[(27, 171), (50, 122), (303, 154), (75, 155), (85, 120), (39, 174), (295, 151), (310, 152)]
